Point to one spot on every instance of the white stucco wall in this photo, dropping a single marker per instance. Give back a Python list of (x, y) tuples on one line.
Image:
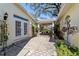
[(12, 9), (74, 17)]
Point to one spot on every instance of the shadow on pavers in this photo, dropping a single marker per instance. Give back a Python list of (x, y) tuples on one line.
[(15, 48)]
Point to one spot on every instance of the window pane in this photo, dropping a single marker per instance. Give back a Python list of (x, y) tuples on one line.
[(18, 28), (25, 28)]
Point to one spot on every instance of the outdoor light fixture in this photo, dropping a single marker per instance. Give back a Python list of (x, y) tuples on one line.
[(5, 16)]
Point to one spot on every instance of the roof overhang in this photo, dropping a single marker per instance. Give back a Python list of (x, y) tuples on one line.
[(64, 9), (25, 12)]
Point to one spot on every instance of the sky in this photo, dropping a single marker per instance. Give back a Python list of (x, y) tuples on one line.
[(27, 8)]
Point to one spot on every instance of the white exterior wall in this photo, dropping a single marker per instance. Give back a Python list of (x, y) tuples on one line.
[(12, 9), (74, 17)]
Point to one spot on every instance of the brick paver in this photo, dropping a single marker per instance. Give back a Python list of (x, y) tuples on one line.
[(39, 46)]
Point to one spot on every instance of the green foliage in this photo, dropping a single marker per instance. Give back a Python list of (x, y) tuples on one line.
[(34, 26), (65, 50), (57, 31), (46, 30), (34, 29), (3, 32)]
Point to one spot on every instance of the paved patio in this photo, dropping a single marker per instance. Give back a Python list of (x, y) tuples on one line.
[(39, 46)]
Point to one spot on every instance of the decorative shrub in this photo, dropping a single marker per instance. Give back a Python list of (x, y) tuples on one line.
[(65, 50), (59, 33), (34, 29), (46, 31), (3, 32)]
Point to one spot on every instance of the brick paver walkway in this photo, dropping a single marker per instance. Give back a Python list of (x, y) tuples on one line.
[(39, 46)]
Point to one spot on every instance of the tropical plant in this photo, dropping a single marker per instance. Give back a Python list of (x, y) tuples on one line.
[(65, 50), (34, 29), (3, 32), (46, 31), (59, 33)]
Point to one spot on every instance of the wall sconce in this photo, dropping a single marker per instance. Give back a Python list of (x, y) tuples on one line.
[(5, 16)]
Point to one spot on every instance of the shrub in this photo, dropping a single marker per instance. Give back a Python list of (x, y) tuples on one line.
[(34, 29), (46, 31), (59, 33), (65, 50)]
